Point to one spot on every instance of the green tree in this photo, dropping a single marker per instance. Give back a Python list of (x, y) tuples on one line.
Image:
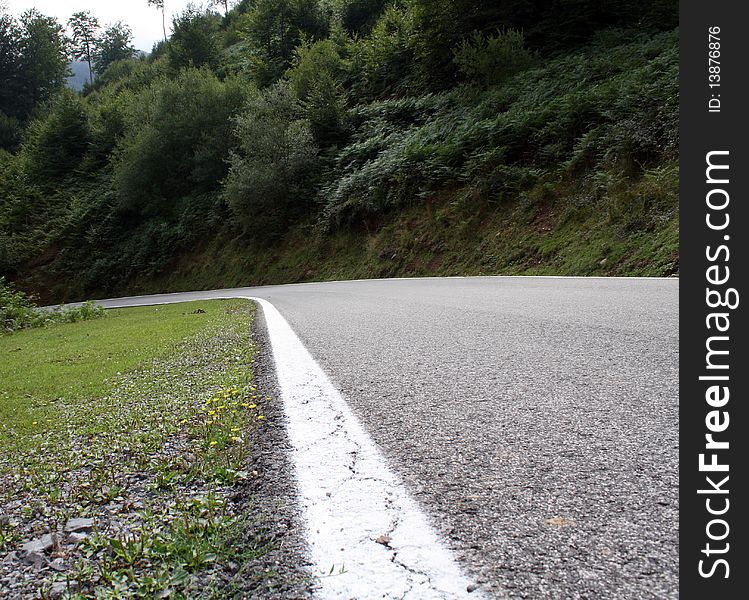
[(10, 58), (383, 62), (114, 44), (194, 41), (360, 16), (317, 79), (85, 29), (275, 28), (43, 63), (270, 180), (177, 141), (223, 3), (56, 144)]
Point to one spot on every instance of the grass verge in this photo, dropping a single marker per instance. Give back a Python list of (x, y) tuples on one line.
[(124, 447)]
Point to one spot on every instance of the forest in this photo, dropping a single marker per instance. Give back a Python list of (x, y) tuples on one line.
[(273, 141)]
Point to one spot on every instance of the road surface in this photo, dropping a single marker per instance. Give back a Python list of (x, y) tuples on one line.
[(534, 420)]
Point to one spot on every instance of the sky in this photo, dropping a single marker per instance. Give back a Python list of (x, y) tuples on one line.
[(144, 20)]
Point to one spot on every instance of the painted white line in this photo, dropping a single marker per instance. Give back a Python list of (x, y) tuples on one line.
[(349, 495)]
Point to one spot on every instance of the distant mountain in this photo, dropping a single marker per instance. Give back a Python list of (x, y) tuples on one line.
[(79, 78), (80, 75)]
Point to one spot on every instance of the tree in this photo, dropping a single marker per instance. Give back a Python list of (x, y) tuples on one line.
[(275, 28), (56, 144), (359, 16), (270, 180), (160, 5), (177, 140), (85, 28), (43, 64), (194, 40), (317, 79), (114, 44), (10, 56)]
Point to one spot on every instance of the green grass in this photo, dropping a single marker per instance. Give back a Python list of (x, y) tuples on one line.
[(77, 361), (148, 415)]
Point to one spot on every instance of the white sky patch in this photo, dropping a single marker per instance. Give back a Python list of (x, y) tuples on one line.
[(144, 20)]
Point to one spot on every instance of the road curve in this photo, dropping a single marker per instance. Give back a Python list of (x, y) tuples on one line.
[(535, 420)]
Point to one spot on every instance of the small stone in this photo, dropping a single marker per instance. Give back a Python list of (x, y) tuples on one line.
[(35, 559), (384, 540), (4, 520), (79, 524), (39, 545), (60, 587), (58, 564), (472, 587), (77, 537), (11, 557), (603, 262)]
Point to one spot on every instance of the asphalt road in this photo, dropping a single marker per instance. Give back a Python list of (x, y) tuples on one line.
[(534, 419)]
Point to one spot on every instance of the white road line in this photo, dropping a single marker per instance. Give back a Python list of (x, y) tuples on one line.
[(349, 495)]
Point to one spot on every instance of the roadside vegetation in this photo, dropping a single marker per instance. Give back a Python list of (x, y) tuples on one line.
[(18, 311), (275, 141), (125, 451)]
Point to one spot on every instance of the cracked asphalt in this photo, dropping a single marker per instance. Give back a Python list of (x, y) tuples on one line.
[(535, 420)]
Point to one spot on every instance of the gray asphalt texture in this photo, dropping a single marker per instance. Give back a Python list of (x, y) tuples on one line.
[(534, 419)]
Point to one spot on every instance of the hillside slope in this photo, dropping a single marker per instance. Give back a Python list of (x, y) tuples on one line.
[(352, 162)]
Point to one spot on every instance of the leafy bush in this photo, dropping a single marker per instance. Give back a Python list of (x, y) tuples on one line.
[(17, 311), (606, 107), (177, 141), (55, 145), (490, 59), (271, 173)]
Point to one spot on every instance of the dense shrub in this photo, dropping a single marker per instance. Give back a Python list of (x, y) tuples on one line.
[(56, 144), (17, 311), (271, 173), (602, 108), (177, 141), (490, 59)]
